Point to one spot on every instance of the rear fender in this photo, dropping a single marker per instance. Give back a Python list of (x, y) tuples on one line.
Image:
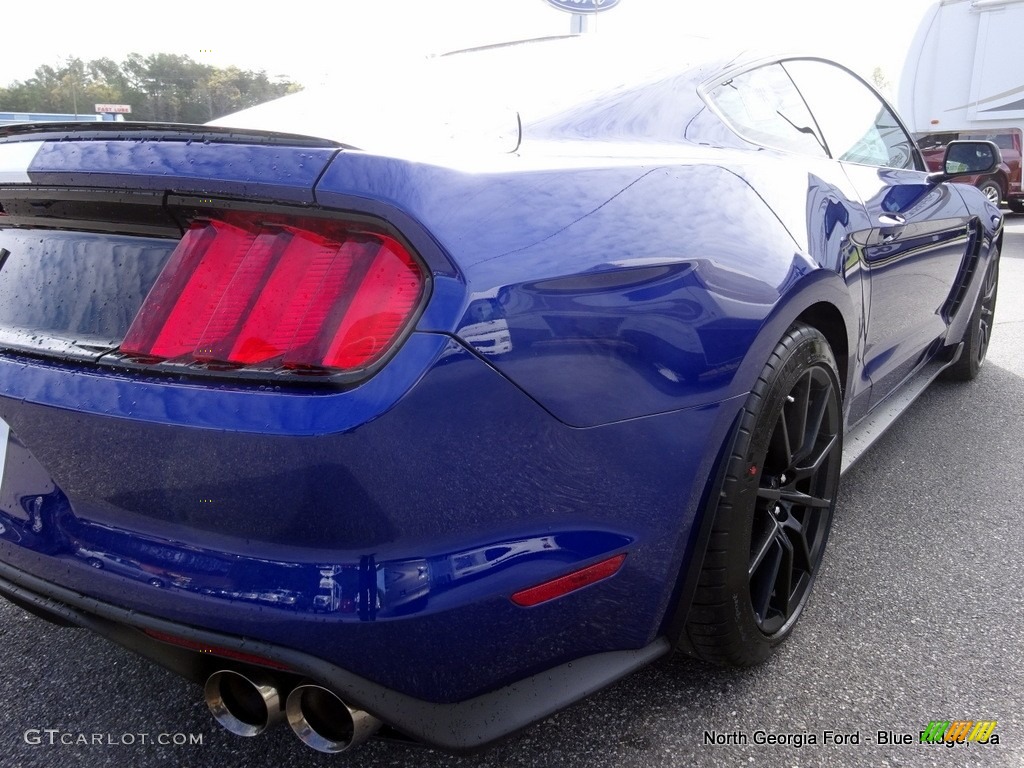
[(821, 287)]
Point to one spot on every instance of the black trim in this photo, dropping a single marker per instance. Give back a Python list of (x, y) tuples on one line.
[(461, 727), (965, 274), (139, 212), (695, 554), (868, 430), (115, 131)]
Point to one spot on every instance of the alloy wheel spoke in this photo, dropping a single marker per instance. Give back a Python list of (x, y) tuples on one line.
[(793, 496), (806, 500), (780, 447), (763, 588), (784, 580), (762, 551), (809, 470), (801, 549), (990, 285), (817, 410), (798, 410)]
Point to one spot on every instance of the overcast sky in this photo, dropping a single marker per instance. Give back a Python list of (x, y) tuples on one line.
[(303, 40)]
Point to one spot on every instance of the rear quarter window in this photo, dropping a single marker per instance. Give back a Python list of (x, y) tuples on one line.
[(764, 107)]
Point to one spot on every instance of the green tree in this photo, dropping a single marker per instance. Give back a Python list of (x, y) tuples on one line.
[(161, 87), (880, 80)]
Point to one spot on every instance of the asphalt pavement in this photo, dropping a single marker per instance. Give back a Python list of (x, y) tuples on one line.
[(917, 616)]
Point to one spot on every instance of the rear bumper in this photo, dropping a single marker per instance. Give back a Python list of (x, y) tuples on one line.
[(380, 530), (458, 727)]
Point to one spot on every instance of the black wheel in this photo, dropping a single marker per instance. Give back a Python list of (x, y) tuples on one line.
[(979, 329), (991, 189), (1017, 206), (774, 509)]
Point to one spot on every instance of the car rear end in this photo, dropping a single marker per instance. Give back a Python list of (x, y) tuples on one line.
[(239, 437), (181, 328)]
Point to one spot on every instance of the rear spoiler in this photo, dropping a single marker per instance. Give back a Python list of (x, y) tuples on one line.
[(114, 131)]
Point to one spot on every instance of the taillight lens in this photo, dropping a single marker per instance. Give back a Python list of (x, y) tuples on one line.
[(297, 294)]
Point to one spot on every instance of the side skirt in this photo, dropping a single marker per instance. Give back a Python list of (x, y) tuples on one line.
[(858, 440)]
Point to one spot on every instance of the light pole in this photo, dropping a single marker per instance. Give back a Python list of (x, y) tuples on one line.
[(581, 12), (579, 23)]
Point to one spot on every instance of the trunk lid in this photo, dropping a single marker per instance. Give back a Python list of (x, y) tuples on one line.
[(200, 160)]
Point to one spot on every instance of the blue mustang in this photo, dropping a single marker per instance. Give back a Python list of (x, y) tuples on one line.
[(359, 413)]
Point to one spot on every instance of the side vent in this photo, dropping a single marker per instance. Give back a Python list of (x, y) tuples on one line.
[(967, 269)]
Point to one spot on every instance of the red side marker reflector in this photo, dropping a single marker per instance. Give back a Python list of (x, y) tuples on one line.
[(215, 650), (563, 585)]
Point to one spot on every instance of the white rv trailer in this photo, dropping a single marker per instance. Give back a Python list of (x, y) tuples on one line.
[(964, 74)]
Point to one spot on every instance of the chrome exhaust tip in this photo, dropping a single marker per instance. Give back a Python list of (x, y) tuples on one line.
[(245, 704), (325, 722)]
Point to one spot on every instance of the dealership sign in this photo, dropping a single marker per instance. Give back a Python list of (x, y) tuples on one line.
[(122, 108), (583, 6)]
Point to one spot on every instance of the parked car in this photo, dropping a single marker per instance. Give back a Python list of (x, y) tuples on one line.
[(1004, 183), (507, 401)]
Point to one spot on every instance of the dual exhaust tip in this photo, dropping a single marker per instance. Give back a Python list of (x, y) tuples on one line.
[(249, 703), (325, 722)]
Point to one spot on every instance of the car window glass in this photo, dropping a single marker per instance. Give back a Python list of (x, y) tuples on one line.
[(935, 140), (857, 125), (1001, 140), (763, 106)]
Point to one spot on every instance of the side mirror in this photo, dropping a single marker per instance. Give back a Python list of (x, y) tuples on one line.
[(967, 158)]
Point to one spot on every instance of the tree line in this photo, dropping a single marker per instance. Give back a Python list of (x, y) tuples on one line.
[(162, 87)]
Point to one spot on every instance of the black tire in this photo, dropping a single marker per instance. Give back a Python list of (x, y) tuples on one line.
[(774, 509), (1017, 206), (979, 328), (990, 188)]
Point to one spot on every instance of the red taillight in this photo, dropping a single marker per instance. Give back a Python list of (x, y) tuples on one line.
[(563, 585), (305, 295)]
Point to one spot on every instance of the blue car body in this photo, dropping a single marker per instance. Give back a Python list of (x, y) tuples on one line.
[(597, 309)]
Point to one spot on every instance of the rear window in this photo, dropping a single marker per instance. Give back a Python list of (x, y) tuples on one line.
[(474, 98)]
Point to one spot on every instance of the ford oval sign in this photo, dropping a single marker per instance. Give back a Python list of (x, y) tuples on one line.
[(583, 6)]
